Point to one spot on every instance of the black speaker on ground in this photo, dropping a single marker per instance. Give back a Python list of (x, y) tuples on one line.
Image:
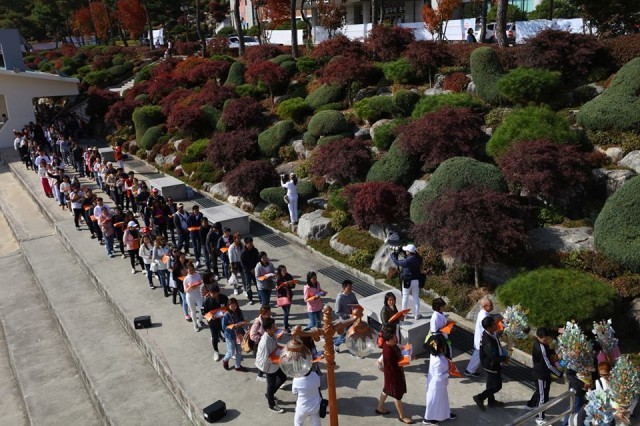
[(215, 411), (142, 322)]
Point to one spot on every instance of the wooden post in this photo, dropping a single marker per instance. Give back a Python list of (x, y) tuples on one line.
[(330, 362)]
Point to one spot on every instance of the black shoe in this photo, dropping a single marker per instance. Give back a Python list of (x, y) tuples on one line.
[(497, 404), (470, 374), (452, 416), (479, 402)]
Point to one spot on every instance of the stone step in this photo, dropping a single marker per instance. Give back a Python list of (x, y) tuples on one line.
[(123, 384)]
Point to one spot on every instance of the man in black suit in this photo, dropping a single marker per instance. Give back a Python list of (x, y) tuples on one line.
[(491, 359)]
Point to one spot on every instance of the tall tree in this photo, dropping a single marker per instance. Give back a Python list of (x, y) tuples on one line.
[(436, 18), (201, 37), (238, 24), (295, 52), (48, 16), (610, 17), (501, 23), (132, 16), (101, 20), (483, 20), (332, 16)]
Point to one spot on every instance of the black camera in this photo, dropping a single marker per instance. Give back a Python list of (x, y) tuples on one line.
[(393, 239)]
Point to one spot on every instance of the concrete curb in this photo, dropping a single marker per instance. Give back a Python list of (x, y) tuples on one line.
[(194, 413)]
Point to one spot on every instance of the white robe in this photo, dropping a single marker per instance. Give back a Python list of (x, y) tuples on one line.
[(437, 395)]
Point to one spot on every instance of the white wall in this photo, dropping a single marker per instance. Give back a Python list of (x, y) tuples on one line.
[(283, 37), (19, 90)]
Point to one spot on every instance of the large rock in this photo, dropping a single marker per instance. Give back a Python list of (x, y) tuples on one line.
[(634, 313), (314, 226), (614, 153), (159, 160), (498, 273), (382, 232), (339, 247), (435, 91), (238, 201), (363, 133), (318, 202), (206, 186), (374, 126), (382, 262), (612, 180), (176, 144), (556, 238), (632, 161), (300, 149), (219, 190), (417, 186)]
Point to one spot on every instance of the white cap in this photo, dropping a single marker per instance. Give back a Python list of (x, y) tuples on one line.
[(132, 224), (410, 248)]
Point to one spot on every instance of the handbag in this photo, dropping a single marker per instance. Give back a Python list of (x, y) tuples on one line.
[(380, 339), (233, 280), (322, 412), (154, 266), (422, 280), (247, 344), (283, 301)]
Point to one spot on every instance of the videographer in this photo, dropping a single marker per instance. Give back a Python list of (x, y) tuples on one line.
[(289, 183), (410, 277)]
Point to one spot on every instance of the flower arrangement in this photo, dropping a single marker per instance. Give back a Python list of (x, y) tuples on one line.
[(576, 351), (598, 409), (624, 386), (604, 333), (516, 324)]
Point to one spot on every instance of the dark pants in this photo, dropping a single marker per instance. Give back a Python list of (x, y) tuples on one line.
[(577, 405), (77, 214), (274, 381), (249, 277), (264, 296), (195, 240), (183, 241), (286, 310), (541, 395), (133, 255), (215, 327), (494, 384)]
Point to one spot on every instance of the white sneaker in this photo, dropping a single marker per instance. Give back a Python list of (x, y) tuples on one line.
[(216, 356), (541, 422), (235, 292), (233, 357), (246, 294), (261, 379), (133, 270), (197, 264), (144, 272), (124, 256), (217, 277)]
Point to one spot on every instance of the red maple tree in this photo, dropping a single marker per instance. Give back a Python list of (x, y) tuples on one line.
[(267, 72), (436, 18), (380, 203), (132, 16)]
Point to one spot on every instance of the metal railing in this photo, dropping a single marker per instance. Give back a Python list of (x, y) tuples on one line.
[(550, 419)]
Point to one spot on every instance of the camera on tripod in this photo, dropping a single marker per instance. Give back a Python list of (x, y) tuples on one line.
[(393, 240)]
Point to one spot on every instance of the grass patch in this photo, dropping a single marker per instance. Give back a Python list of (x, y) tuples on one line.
[(358, 238)]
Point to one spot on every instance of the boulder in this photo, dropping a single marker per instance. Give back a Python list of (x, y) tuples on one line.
[(417, 186), (169, 159), (178, 171), (159, 160), (206, 186), (382, 262), (634, 313), (435, 91), (384, 90), (318, 202), (339, 247), (219, 190), (363, 133), (439, 81), (381, 232), (314, 226), (471, 87), (367, 92), (374, 126), (300, 149), (614, 153), (497, 273), (632, 161), (612, 180), (556, 238), (287, 168), (133, 146), (241, 202), (177, 143)]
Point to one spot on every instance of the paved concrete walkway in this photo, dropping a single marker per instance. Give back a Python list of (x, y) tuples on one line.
[(184, 358)]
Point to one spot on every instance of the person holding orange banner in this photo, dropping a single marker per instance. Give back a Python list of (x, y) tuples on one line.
[(232, 324), (193, 225), (161, 260), (215, 300), (192, 283), (275, 376), (223, 245), (395, 385), (265, 273), (284, 290), (437, 405)]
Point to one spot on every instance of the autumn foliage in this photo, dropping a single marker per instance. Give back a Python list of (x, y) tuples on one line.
[(435, 18), (249, 178), (377, 203), (427, 56), (242, 113), (270, 73), (226, 150), (344, 161), (132, 16), (339, 45), (388, 43)]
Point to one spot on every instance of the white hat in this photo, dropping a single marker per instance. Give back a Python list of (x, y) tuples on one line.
[(132, 224), (410, 248)]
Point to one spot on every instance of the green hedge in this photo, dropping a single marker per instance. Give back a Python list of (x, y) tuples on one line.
[(617, 229), (374, 108), (384, 136), (274, 137), (524, 86), (236, 74), (405, 101), (145, 117), (618, 108), (196, 151), (280, 59), (307, 65), (309, 140), (486, 71), (329, 139), (150, 137), (96, 78), (528, 124), (429, 104), (555, 296), (327, 123), (275, 195), (254, 91), (396, 167), (295, 109), (400, 71), (143, 75), (456, 174), (323, 95), (333, 106)]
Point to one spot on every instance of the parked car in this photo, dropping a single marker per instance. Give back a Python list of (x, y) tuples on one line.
[(234, 41), (490, 35)]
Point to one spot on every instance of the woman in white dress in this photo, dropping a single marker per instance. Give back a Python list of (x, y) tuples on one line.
[(438, 408), (289, 183)]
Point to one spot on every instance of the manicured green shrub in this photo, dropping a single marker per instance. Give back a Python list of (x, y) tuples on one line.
[(274, 137), (525, 86), (143, 75), (374, 108), (295, 109), (396, 167), (151, 136), (384, 134), (618, 108), (336, 200), (307, 65), (196, 151), (496, 116), (309, 140), (97, 78), (405, 101), (333, 106), (527, 124), (254, 91), (486, 70), (329, 139), (327, 123), (280, 59), (323, 95), (555, 296), (275, 195), (617, 229), (435, 103), (400, 71), (145, 117), (456, 174), (290, 67), (271, 212), (236, 74), (340, 219), (118, 71)]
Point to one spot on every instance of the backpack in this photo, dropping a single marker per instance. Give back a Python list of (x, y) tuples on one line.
[(247, 344)]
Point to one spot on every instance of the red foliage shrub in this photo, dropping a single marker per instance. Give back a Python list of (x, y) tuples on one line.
[(344, 70), (218, 45), (99, 101), (440, 135), (227, 150), (68, 49), (379, 203), (261, 53), (173, 99), (200, 74), (186, 48), (183, 68), (165, 67), (510, 57), (189, 119), (544, 169), (212, 94), (52, 55), (622, 49), (461, 53), (427, 56), (121, 111), (573, 55), (388, 43), (456, 82), (249, 178), (101, 62), (242, 113), (336, 46), (267, 72), (141, 88), (627, 286), (161, 85), (345, 160), (475, 225)]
